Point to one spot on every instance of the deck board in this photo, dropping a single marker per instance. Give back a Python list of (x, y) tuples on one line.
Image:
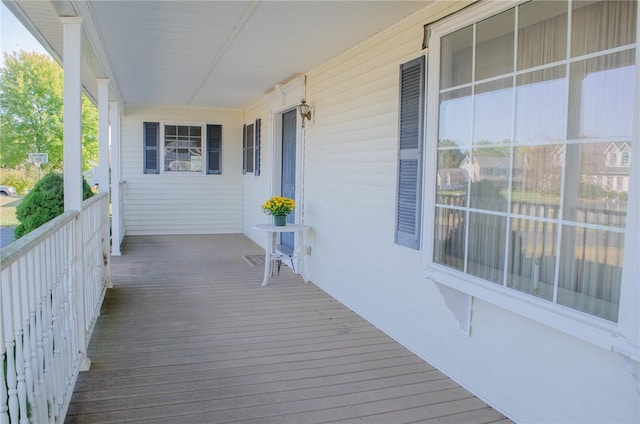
[(188, 335)]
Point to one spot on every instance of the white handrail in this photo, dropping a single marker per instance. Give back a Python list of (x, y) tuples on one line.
[(40, 315)]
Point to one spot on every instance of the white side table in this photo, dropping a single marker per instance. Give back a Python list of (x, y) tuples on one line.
[(270, 250)]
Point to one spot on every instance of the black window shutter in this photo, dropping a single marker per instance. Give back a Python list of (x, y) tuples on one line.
[(408, 207), (214, 148), (250, 147), (151, 141), (256, 163), (244, 149)]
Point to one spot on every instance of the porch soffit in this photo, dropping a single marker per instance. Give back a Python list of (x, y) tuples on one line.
[(223, 54)]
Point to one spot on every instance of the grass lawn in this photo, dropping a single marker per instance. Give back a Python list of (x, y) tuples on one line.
[(8, 210)]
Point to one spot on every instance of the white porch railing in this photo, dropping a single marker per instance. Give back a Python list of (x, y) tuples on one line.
[(117, 218), (47, 315)]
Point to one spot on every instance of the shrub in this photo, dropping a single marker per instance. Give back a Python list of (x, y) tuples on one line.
[(590, 190), (43, 203)]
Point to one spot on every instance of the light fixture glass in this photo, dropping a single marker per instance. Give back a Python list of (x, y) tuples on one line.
[(304, 109)]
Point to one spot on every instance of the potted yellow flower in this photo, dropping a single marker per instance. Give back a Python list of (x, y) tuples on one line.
[(279, 207)]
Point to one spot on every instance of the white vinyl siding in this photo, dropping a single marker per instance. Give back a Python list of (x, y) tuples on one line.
[(257, 190), (182, 203), (523, 367)]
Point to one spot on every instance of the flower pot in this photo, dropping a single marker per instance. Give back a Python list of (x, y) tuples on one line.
[(279, 220)]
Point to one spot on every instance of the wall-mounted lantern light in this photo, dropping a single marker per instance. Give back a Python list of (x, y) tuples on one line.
[(305, 111)]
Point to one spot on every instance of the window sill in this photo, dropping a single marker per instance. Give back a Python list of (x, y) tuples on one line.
[(598, 331), (182, 173)]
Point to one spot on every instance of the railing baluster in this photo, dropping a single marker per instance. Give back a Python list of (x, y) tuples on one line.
[(24, 390), (56, 340), (18, 327), (41, 328), (71, 324), (31, 360), (4, 395), (38, 352), (68, 291), (48, 316), (11, 378)]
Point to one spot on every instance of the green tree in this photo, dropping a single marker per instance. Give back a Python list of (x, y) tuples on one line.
[(31, 112), (449, 158), (487, 148), (43, 203)]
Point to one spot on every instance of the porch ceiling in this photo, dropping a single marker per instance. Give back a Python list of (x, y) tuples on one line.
[(207, 53)]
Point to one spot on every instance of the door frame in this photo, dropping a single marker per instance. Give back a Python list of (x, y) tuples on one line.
[(286, 98)]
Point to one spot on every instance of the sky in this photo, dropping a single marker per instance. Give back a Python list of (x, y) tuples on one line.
[(14, 37)]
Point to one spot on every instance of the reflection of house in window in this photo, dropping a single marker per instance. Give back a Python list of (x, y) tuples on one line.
[(558, 155), (493, 168), (618, 154), (606, 165), (451, 179)]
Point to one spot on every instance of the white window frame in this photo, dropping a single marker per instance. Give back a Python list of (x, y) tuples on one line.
[(203, 141), (623, 336), (245, 148)]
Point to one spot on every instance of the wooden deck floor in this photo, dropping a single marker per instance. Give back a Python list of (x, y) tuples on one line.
[(188, 335)]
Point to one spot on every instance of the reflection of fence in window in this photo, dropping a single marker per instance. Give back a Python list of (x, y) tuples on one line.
[(592, 282), (533, 249), (604, 247), (450, 231), (537, 238), (588, 273), (486, 246)]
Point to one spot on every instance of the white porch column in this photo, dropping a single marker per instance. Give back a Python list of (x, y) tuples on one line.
[(103, 142), (72, 108), (117, 227), (72, 132), (103, 132)]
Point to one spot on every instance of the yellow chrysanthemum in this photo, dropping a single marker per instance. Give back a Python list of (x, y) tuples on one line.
[(278, 206)]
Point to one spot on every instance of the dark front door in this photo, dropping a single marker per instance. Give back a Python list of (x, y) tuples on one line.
[(288, 185)]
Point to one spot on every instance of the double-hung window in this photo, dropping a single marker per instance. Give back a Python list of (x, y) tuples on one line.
[(182, 148), (251, 147), (524, 107)]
